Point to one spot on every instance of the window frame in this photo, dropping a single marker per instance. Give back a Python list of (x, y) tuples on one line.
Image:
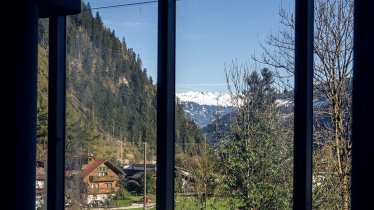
[(303, 104), (362, 184), (166, 104), (302, 199), (56, 113)]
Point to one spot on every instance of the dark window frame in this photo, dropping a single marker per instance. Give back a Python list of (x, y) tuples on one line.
[(362, 135), (362, 183), (166, 104), (303, 111), (303, 104), (56, 113)]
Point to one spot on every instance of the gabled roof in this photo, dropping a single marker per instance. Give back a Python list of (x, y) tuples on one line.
[(114, 168), (96, 163), (91, 166)]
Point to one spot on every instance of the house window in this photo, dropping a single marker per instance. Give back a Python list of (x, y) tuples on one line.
[(102, 169), (103, 173), (108, 185), (94, 185)]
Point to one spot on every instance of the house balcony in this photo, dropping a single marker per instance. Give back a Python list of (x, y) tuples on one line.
[(104, 178), (95, 191)]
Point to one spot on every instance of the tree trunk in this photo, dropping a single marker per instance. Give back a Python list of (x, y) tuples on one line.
[(343, 160), (345, 193)]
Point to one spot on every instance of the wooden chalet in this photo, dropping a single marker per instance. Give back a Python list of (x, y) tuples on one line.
[(98, 179)]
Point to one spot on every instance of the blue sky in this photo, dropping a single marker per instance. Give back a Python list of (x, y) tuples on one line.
[(210, 34)]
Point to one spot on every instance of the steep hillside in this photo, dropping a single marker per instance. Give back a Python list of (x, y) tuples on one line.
[(111, 101)]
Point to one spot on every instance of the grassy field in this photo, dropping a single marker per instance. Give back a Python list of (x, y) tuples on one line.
[(137, 198), (217, 203), (191, 203)]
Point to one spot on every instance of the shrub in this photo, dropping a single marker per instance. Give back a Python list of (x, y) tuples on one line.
[(122, 194)]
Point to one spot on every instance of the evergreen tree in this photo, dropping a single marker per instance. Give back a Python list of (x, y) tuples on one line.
[(255, 152)]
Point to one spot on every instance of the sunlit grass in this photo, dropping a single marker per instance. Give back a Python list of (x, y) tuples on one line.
[(216, 203)]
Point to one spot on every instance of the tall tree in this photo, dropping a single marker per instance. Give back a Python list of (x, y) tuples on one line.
[(204, 175), (256, 154), (333, 52)]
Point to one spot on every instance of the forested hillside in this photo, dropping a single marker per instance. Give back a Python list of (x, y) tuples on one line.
[(110, 98)]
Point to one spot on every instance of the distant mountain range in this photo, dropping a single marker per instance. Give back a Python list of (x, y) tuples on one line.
[(204, 108), (206, 98)]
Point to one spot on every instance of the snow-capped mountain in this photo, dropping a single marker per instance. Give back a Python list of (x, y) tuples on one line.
[(206, 98), (204, 108)]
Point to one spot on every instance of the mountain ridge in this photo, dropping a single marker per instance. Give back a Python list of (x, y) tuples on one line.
[(205, 107), (206, 98)]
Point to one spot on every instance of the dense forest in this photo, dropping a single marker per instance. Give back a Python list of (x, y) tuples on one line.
[(111, 101)]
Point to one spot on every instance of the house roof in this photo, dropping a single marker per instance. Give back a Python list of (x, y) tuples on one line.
[(136, 176), (139, 167), (96, 163), (91, 166), (114, 168)]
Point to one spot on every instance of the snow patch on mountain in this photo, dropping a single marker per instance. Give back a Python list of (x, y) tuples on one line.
[(204, 107), (283, 103), (206, 98)]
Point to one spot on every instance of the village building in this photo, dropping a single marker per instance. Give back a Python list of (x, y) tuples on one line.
[(40, 184), (89, 179)]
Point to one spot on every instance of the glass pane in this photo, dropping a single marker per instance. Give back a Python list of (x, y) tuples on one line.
[(234, 116), (111, 105), (333, 58), (42, 115)]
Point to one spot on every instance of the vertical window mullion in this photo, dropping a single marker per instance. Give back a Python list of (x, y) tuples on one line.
[(303, 105), (362, 107), (166, 104), (56, 113), (18, 95)]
